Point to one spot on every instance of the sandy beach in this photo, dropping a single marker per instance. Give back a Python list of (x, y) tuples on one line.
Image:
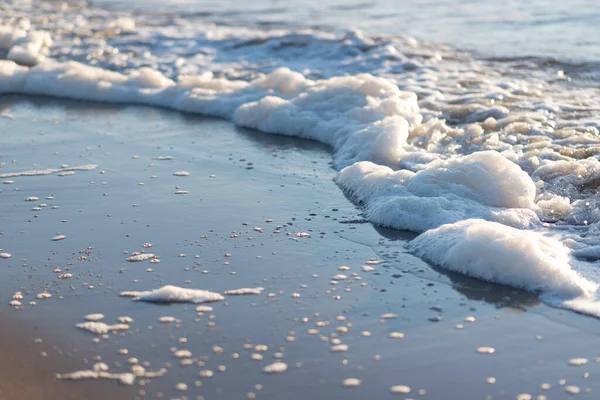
[(344, 306), (209, 200)]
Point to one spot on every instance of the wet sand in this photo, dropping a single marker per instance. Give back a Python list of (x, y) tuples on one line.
[(205, 238)]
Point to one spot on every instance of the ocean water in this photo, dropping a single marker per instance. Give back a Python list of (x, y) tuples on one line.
[(474, 123), (541, 28)]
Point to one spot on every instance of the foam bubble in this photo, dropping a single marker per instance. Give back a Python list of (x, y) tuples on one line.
[(486, 350), (401, 389), (183, 354), (94, 317), (244, 291), (137, 257), (175, 294), (578, 361), (572, 389), (339, 348), (351, 382), (101, 328), (275, 368)]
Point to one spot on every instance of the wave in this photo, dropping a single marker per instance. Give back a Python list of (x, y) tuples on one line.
[(497, 167)]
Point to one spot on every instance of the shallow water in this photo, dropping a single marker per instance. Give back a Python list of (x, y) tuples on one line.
[(431, 137), (426, 137), (398, 317), (543, 28)]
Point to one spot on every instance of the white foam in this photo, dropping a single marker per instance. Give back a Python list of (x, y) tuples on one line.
[(339, 348), (126, 378), (401, 389), (124, 23), (163, 158), (339, 277), (497, 253), (100, 371), (125, 320), (137, 257), (244, 291), (362, 117), (48, 171), (182, 354), (175, 294), (101, 328), (429, 137), (100, 367), (486, 350), (31, 48), (481, 185), (351, 382), (578, 362), (275, 368), (130, 293), (9, 35)]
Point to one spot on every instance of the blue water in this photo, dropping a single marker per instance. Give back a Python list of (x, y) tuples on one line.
[(554, 29)]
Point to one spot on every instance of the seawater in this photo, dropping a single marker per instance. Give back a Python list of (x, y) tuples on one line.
[(539, 28), (491, 154)]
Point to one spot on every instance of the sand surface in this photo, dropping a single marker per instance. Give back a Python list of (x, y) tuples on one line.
[(254, 210)]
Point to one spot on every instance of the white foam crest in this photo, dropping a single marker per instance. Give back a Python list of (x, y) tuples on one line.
[(481, 185), (497, 253), (362, 117), (436, 136)]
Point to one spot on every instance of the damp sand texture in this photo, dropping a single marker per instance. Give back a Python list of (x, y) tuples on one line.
[(303, 291), (284, 255)]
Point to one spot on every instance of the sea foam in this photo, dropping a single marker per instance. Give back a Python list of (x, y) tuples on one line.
[(498, 253), (175, 294), (481, 185), (523, 259), (427, 139)]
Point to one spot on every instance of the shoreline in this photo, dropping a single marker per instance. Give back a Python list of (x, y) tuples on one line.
[(242, 177)]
